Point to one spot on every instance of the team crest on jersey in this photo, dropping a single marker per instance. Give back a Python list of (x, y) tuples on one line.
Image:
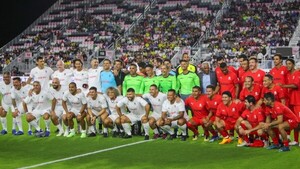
[(229, 78), (216, 103), (256, 93), (233, 109), (282, 72), (258, 75), (275, 93)]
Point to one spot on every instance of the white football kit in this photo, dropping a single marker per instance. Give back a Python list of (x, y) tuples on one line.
[(93, 78), (173, 110), (96, 105), (80, 78), (5, 90), (156, 103), (19, 96), (41, 75), (76, 101), (65, 78)]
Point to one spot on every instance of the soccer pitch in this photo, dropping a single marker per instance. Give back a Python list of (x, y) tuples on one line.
[(99, 152)]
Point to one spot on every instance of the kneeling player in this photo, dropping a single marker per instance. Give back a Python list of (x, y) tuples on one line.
[(77, 107), (250, 122), (113, 120), (96, 104), (173, 115), (279, 118), (227, 114)]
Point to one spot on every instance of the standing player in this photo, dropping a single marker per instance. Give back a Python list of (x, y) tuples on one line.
[(18, 94), (173, 115), (156, 100), (190, 67), (278, 118), (76, 109), (218, 69), (119, 74), (80, 76), (40, 73), (107, 78), (133, 80), (279, 71), (40, 100), (96, 106), (6, 103), (293, 86), (93, 74), (228, 81), (64, 75), (139, 111), (227, 114), (254, 72), (166, 81), (149, 80), (186, 80), (57, 111)]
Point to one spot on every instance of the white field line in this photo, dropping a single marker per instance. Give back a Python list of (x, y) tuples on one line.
[(86, 154)]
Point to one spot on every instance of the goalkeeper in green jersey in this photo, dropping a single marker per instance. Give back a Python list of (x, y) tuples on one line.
[(166, 81), (132, 80), (149, 80)]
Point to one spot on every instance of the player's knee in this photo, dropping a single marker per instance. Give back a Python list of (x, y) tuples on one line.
[(2, 113), (181, 122), (29, 118), (46, 116), (70, 116), (260, 132)]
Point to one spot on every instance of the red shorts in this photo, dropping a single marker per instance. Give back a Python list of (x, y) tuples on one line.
[(229, 125), (293, 124), (212, 119), (198, 121), (252, 125), (297, 111)]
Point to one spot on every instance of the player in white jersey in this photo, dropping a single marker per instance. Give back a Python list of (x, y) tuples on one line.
[(93, 74), (139, 111), (64, 75), (76, 109), (97, 107), (80, 76), (57, 111), (113, 121), (5, 104), (40, 73), (18, 94), (40, 100), (173, 115), (156, 100)]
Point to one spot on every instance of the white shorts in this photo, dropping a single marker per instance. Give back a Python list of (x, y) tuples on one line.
[(113, 117), (59, 112), (6, 106), (38, 113), (156, 116), (20, 108), (134, 118), (75, 111)]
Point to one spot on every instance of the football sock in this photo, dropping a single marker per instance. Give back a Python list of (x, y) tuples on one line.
[(14, 124), (47, 123), (146, 128), (167, 128), (296, 136), (127, 128), (4, 123), (183, 129), (35, 125), (19, 123)]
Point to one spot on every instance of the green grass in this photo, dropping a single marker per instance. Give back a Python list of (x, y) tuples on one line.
[(21, 151)]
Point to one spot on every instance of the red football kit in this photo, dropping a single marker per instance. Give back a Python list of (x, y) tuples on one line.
[(212, 105), (257, 76), (229, 114), (228, 82), (276, 90), (254, 117), (198, 107), (256, 92)]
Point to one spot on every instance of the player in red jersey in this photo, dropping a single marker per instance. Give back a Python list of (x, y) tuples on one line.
[(279, 72), (280, 118), (250, 122), (293, 86), (227, 81), (250, 88), (269, 86), (197, 104), (212, 102), (254, 72), (218, 69), (244, 66), (227, 114)]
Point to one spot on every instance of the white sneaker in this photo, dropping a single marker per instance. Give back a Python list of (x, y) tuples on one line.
[(66, 133), (266, 143), (293, 143), (72, 134), (244, 143), (61, 133)]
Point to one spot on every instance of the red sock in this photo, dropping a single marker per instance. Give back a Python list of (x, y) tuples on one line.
[(275, 141), (224, 133), (193, 128), (246, 139), (213, 132), (296, 136), (288, 132), (206, 133), (286, 143), (231, 133), (264, 137)]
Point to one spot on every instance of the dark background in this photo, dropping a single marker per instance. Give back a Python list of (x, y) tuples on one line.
[(17, 15)]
